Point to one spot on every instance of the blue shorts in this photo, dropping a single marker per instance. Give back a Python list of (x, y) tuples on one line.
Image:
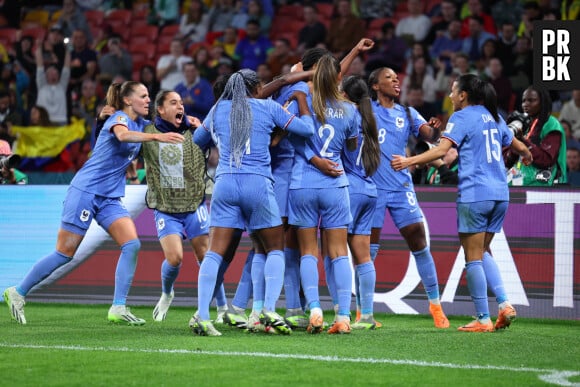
[(316, 207), (281, 188), (80, 207), (362, 209), (402, 205), (484, 216), (187, 224), (244, 200)]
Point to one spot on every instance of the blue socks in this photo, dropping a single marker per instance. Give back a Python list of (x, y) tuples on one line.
[(274, 278), (330, 282), (207, 278), (219, 292), (244, 289), (374, 251), (258, 281), (343, 281), (125, 271), (292, 278), (169, 274), (493, 277), (477, 288), (427, 272), (367, 278), (309, 278), (41, 270)]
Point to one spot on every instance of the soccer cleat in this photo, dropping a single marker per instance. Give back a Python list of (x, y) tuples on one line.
[(275, 321), (203, 328), (221, 311), (505, 317), (316, 323), (15, 304), (439, 317), (236, 320), (121, 314), (477, 326), (367, 324), (160, 311), (339, 327), (299, 321), (255, 325)]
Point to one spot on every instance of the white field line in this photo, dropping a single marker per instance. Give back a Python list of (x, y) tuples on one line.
[(558, 377)]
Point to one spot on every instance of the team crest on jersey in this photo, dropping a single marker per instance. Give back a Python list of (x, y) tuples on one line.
[(84, 215), (161, 224), (449, 127), (399, 122), (122, 120)]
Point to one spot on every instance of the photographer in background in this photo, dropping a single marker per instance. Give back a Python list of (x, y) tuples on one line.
[(8, 164), (544, 136)]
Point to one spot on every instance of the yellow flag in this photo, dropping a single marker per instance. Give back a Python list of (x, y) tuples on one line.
[(43, 141)]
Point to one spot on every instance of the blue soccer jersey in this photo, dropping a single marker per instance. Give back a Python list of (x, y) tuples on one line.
[(358, 181), (104, 173), (266, 114), (327, 142), (479, 140), (394, 131)]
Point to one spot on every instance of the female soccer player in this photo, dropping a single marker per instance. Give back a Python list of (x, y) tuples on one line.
[(317, 199), (478, 132), (96, 192), (243, 197), (395, 189)]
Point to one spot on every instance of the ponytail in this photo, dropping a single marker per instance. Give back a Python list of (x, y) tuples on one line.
[(118, 91), (325, 85)]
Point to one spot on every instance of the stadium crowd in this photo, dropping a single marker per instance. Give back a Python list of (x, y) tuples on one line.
[(186, 45)]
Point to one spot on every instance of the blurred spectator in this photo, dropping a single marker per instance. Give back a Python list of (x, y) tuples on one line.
[(506, 45), (447, 13), (72, 19), (462, 65), (571, 113), (421, 78), (85, 106), (9, 115), (52, 88), (475, 9), (415, 27), (531, 13), (194, 24), (573, 165), (357, 67), (253, 48), (83, 63), (117, 61), (346, 30), (313, 32), (473, 43), (220, 62), (415, 97), (389, 50), (221, 14), (20, 86), (164, 12), (571, 142), (24, 54), (570, 9), (507, 11), (201, 58), (447, 44), (488, 51), (375, 9), (10, 13), (229, 41), (418, 50), (53, 48), (10, 174), (148, 78), (281, 55), (264, 73), (254, 11), (170, 66), (39, 117), (502, 85), (224, 66), (522, 65), (196, 92)]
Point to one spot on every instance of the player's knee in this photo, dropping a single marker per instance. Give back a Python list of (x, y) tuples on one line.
[(131, 247)]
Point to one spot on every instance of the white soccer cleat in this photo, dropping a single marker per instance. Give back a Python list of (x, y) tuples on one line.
[(122, 314), (15, 304), (160, 311)]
